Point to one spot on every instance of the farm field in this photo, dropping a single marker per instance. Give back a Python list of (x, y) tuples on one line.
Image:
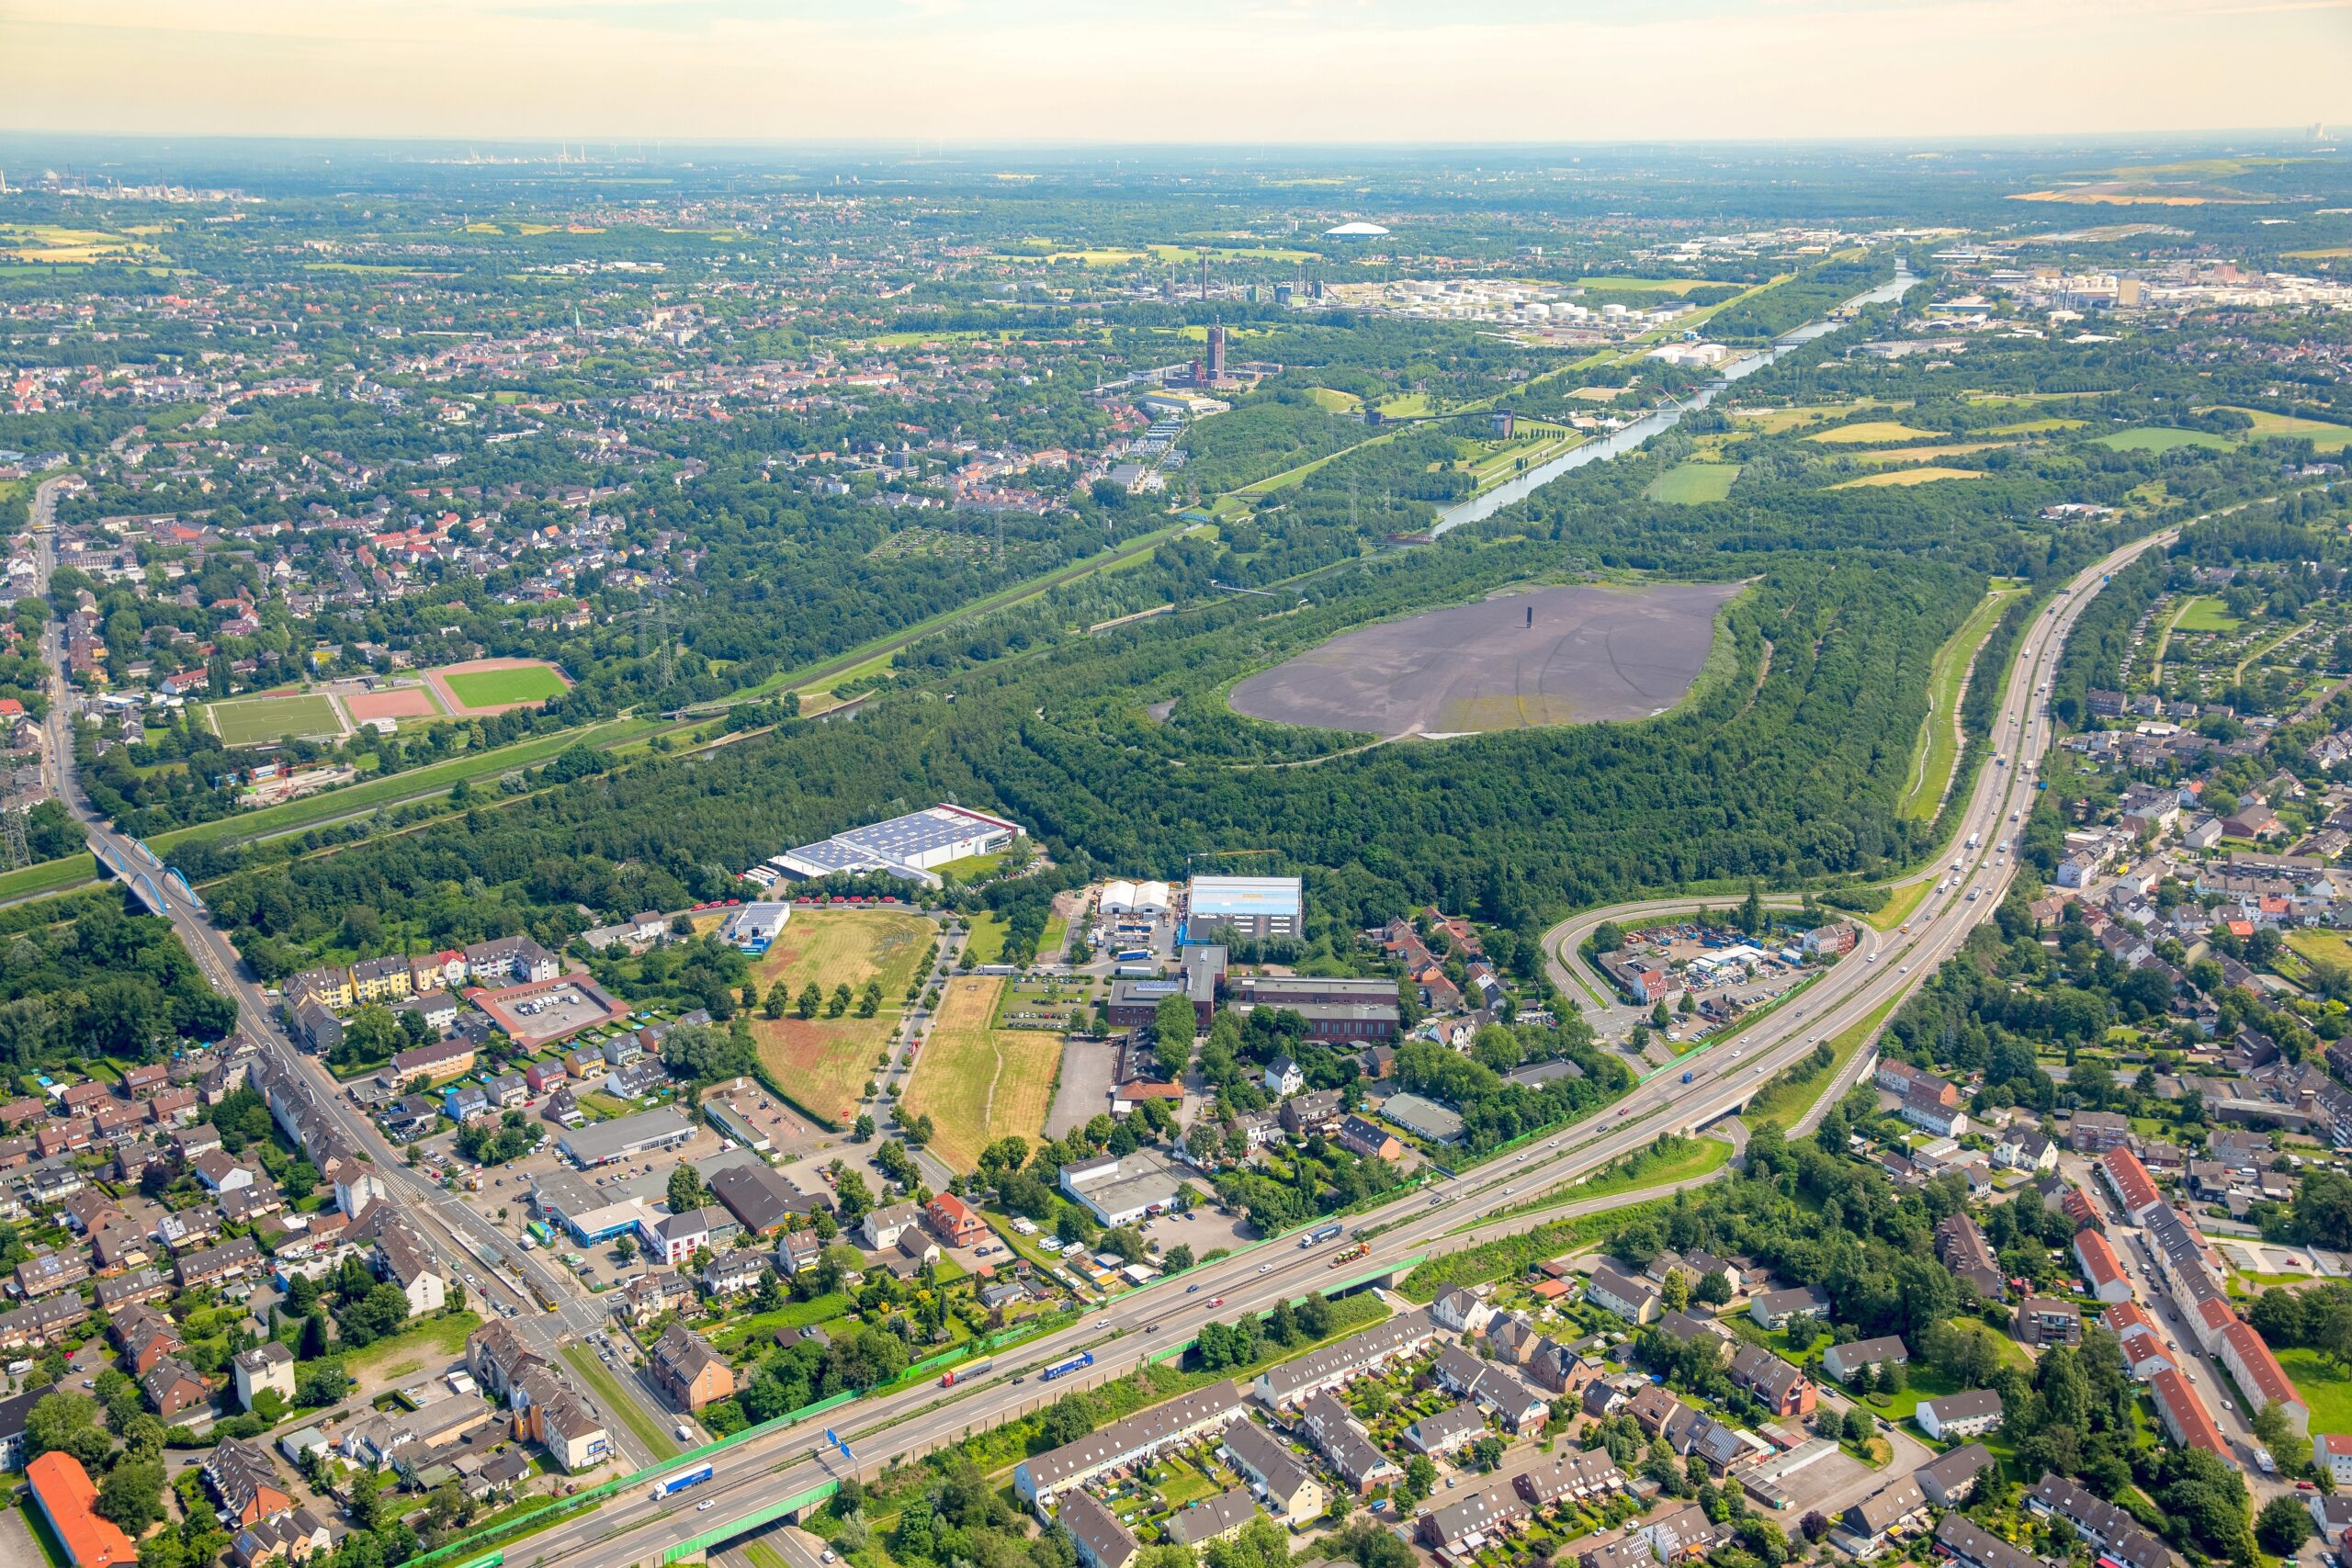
[(1921, 454), (258, 721), (2036, 426), (1591, 654), (1927, 475), (1650, 285), (1869, 431), (481, 690), (1690, 484), (825, 1062), (2325, 436), (1779, 421), (2163, 438), (978, 1083)]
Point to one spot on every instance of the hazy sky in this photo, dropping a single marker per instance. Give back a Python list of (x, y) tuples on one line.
[(1164, 70)]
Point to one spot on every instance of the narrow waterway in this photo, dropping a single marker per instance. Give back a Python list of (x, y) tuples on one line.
[(1617, 443)]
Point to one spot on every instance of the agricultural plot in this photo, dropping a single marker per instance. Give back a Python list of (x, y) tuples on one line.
[(1923, 454), (1557, 656), (264, 720), (1693, 484), (2323, 435), (1922, 476), (825, 1062), (978, 1083), (1869, 431), (2164, 439)]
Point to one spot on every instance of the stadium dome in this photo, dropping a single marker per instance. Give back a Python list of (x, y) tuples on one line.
[(1355, 232)]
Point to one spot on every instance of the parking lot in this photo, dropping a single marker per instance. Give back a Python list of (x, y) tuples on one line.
[(1722, 972)]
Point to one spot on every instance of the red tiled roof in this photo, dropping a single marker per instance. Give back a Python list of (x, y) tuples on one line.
[(2129, 1177), (2262, 1368), (2187, 1412), (2100, 1266), (67, 1498)]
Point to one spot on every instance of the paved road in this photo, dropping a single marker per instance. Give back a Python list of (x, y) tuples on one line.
[(633, 1528), (2202, 1372), (462, 1238)]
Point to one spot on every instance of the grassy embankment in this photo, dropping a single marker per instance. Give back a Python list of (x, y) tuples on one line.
[(1937, 753)]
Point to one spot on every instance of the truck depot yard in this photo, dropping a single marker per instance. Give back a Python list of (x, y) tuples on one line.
[(1555, 655)]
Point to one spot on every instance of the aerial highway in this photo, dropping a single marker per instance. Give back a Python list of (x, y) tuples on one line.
[(751, 1477)]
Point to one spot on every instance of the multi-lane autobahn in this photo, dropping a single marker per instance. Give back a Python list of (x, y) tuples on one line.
[(751, 1477)]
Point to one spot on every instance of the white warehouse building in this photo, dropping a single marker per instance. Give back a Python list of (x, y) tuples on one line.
[(1125, 897), (913, 846)]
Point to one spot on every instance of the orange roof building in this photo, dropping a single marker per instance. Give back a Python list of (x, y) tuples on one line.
[(68, 1502)]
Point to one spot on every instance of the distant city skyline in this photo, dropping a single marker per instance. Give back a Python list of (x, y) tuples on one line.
[(1216, 72)]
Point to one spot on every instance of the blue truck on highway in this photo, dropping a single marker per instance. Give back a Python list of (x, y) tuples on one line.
[(671, 1485), (1061, 1369)]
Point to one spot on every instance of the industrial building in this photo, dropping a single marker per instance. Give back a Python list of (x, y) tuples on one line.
[(1134, 898), (602, 1142), (912, 847), (1248, 908), (755, 926)]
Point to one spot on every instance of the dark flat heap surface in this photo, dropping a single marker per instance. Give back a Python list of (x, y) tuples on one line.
[(1592, 654)]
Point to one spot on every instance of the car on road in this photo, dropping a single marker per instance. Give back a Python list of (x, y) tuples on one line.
[(1190, 1289), (1509, 1191), (1265, 1267), (1216, 1301), (1152, 1328), (705, 1505)]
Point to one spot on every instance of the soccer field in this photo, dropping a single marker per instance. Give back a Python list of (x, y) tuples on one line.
[(497, 688), (256, 721)]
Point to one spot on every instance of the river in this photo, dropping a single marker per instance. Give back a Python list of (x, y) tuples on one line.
[(1617, 443)]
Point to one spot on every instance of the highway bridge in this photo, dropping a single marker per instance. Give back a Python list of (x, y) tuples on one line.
[(157, 886)]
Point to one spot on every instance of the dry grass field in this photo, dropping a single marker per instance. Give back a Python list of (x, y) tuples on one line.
[(823, 1063), (978, 1083), (1867, 431), (1908, 477)]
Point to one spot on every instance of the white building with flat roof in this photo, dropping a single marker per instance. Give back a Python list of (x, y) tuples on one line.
[(1255, 907), (913, 846), (754, 926)]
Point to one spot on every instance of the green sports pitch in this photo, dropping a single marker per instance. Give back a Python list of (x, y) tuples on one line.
[(495, 688), (256, 721)]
